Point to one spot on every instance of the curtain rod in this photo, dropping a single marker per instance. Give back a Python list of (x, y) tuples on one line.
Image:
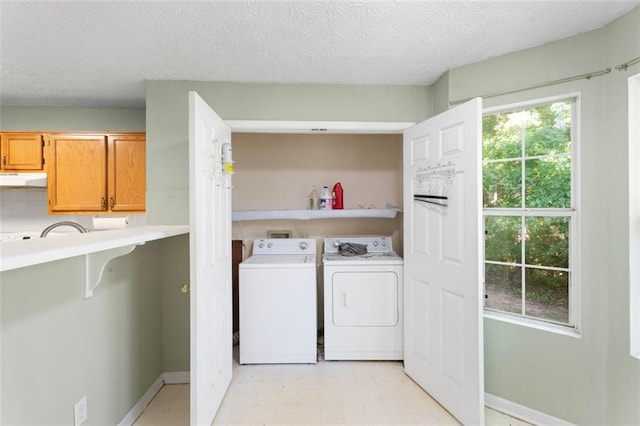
[(623, 67), (537, 86)]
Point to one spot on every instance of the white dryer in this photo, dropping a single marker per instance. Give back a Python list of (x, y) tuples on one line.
[(277, 302), (363, 297)]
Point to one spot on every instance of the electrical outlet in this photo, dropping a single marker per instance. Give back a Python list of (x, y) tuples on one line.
[(80, 411)]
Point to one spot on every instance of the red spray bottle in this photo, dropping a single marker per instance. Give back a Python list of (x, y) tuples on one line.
[(338, 193)]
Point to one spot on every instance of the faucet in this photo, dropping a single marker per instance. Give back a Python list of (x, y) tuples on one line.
[(79, 227)]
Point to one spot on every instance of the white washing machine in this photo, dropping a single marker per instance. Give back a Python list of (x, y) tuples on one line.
[(363, 297), (277, 302)]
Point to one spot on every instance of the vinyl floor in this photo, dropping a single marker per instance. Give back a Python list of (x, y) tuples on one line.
[(327, 393)]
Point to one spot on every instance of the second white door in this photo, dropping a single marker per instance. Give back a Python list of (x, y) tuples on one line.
[(442, 248)]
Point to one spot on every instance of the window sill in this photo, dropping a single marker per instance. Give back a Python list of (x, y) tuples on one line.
[(564, 330)]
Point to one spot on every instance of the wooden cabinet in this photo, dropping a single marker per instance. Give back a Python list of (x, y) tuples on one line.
[(96, 173), (21, 151), (127, 177)]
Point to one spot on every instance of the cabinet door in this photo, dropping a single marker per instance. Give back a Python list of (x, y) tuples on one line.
[(77, 173), (127, 172), (22, 151)]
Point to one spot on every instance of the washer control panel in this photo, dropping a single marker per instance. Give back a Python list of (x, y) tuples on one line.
[(284, 246)]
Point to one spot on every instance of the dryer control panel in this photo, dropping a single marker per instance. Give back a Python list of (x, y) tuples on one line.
[(374, 244)]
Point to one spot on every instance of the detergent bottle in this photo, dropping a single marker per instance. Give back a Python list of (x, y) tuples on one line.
[(338, 193), (326, 199)]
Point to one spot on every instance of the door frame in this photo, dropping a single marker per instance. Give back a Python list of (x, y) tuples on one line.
[(321, 127), (318, 127)]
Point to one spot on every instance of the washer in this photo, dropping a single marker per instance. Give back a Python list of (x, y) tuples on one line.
[(277, 292), (363, 301)]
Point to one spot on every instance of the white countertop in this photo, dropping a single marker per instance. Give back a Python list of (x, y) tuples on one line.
[(21, 253)]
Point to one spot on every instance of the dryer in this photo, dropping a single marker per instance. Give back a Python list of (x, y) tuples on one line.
[(277, 302), (363, 296)]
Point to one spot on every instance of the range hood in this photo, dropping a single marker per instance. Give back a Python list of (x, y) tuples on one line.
[(23, 180)]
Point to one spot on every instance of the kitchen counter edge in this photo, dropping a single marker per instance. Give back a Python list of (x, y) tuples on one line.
[(20, 254)]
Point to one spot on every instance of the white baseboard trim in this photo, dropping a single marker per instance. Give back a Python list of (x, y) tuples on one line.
[(521, 412), (176, 377), (171, 378)]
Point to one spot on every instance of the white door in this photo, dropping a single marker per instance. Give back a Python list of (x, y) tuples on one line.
[(443, 293), (210, 269)]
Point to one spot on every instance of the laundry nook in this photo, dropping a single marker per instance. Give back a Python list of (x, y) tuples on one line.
[(325, 212)]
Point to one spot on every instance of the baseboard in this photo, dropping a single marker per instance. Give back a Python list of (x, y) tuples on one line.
[(521, 412), (174, 377)]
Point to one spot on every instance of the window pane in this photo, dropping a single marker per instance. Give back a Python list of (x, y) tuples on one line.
[(547, 241), (548, 182), (548, 131), (503, 235), (502, 184), (503, 287), (501, 138), (547, 294)]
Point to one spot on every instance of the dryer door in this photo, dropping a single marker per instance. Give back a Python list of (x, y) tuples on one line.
[(365, 299)]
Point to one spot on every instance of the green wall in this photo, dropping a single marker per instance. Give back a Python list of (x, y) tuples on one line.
[(175, 305), (78, 119), (622, 43), (590, 379), (57, 347)]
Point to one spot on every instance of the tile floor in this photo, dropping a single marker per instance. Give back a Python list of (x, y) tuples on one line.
[(330, 392)]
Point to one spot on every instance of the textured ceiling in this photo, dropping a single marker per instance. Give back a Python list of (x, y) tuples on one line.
[(70, 53)]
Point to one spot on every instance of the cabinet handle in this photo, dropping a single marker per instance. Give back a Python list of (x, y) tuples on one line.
[(4, 160), (111, 202), (103, 203)]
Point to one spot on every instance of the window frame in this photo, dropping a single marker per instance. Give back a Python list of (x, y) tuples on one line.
[(573, 212)]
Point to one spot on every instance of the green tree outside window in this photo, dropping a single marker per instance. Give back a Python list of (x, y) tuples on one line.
[(527, 178)]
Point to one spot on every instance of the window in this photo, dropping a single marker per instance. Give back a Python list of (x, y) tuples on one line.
[(530, 218)]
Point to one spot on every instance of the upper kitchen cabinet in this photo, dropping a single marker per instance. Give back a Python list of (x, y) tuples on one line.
[(96, 173), (127, 172), (76, 173), (21, 151)]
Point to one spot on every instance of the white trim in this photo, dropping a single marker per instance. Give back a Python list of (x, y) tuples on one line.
[(142, 403), (564, 330), (318, 127), (174, 377), (634, 217), (530, 103), (521, 412)]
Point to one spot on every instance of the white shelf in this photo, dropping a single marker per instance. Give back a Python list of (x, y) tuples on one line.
[(242, 215)]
